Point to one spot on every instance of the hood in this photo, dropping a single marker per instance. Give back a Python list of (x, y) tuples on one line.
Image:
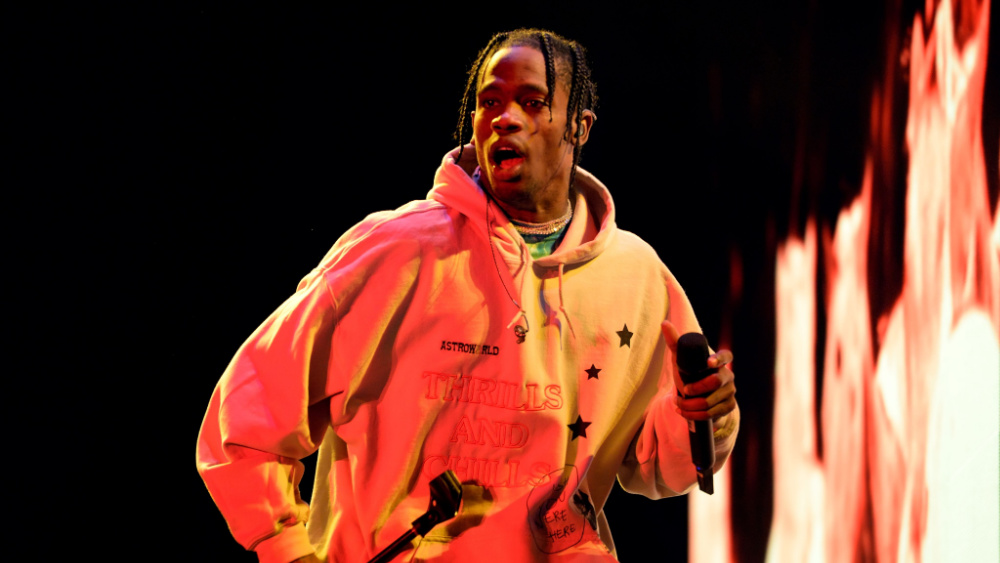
[(589, 233)]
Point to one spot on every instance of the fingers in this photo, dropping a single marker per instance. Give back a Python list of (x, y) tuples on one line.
[(720, 358), (710, 383), (713, 396), (714, 406), (714, 413), (671, 335)]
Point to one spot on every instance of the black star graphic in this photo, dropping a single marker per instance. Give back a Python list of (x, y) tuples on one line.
[(579, 427), (593, 371), (626, 337)]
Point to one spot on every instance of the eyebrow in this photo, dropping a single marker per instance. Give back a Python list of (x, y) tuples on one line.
[(539, 89)]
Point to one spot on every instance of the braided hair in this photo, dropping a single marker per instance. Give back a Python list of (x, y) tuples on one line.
[(564, 60)]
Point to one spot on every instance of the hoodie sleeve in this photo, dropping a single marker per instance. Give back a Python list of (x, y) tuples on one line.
[(273, 404), (658, 462), (267, 412)]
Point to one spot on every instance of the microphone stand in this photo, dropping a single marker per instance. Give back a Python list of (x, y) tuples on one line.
[(446, 496)]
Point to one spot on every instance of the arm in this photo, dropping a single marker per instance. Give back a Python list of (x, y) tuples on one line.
[(267, 412), (307, 369), (658, 463)]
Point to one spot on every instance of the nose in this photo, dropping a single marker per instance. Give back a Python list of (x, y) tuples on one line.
[(510, 120)]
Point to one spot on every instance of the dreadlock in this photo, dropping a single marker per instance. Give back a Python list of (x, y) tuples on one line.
[(562, 57)]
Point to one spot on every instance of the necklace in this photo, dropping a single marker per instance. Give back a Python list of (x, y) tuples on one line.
[(547, 228)]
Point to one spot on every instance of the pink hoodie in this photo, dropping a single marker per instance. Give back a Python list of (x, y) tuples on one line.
[(397, 358)]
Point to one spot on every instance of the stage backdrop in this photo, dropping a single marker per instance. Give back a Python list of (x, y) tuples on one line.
[(821, 176)]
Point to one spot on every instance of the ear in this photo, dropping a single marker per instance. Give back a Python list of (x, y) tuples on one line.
[(472, 119), (581, 132)]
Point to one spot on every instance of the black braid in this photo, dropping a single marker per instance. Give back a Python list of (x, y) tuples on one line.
[(469, 97), (550, 71), (555, 49), (571, 113)]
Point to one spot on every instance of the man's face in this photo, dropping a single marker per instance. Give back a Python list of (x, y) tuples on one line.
[(524, 158)]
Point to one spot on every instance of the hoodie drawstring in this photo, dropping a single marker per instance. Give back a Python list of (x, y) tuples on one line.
[(519, 331), (562, 303), (522, 269)]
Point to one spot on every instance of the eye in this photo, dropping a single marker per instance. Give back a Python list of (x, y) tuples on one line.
[(488, 103), (535, 103)]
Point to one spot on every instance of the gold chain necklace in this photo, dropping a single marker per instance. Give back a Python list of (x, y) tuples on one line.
[(547, 228)]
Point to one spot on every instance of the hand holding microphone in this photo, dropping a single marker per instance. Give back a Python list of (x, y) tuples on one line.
[(706, 393)]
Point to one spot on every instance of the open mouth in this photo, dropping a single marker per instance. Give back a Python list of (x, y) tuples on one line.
[(506, 158)]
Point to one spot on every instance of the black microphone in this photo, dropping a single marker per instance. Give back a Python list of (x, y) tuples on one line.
[(692, 359), (446, 496)]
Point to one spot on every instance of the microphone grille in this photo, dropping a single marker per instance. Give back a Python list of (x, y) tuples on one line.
[(692, 353)]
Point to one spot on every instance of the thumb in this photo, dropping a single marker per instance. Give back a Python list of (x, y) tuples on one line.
[(671, 334)]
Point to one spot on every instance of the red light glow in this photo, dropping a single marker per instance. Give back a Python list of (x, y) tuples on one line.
[(909, 420)]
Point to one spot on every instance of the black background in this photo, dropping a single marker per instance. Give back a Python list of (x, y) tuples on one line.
[(179, 168)]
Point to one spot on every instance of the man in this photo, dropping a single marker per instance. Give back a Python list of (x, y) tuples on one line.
[(503, 328)]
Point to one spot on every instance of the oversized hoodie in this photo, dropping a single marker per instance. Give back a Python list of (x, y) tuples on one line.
[(428, 339)]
